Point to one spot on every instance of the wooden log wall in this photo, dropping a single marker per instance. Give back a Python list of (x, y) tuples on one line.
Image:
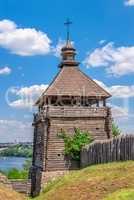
[(21, 186), (116, 149)]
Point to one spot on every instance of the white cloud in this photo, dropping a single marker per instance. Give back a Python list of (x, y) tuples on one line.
[(25, 96), (23, 41), (129, 2), (27, 41), (12, 130), (102, 84), (121, 91), (117, 60), (57, 49), (118, 91), (7, 25), (5, 71), (118, 111)]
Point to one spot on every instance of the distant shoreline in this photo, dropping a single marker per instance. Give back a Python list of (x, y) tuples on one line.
[(19, 150)]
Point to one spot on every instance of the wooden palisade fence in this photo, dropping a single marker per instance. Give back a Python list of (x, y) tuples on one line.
[(116, 149)]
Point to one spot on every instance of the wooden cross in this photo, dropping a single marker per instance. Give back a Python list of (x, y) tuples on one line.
[(67, 24)]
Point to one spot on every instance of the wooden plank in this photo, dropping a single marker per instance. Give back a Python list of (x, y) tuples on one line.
[(116, 149)]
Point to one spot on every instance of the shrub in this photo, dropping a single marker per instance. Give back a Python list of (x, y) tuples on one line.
[(115, 130), (74, 143), (17, 174)]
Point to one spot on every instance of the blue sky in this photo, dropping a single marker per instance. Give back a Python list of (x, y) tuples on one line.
[(31, 34)]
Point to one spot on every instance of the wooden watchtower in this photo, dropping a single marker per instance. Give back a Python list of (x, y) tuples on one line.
[(72, 100)]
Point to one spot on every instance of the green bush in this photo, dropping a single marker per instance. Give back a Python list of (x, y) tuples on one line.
[(115, 130), (74, 143), (17, 174)]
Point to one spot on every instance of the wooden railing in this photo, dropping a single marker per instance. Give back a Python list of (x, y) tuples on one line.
[(57, 111)]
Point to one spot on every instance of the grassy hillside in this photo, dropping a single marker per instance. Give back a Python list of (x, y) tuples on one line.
[(124, 194), (102, 182), (8, 194)]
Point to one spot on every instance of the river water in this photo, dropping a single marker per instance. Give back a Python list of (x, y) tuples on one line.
[(7, 163)]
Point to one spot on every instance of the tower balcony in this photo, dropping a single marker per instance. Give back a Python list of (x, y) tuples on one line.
[(66, 112)]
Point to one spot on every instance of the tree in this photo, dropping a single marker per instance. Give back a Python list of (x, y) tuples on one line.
[(115, 130), (74, 143)]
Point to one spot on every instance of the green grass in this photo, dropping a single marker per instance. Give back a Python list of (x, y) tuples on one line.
[(100, 182), (121, 195), (17, 174)]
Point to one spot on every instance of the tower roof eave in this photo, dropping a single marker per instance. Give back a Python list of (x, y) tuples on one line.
[(71, 81)]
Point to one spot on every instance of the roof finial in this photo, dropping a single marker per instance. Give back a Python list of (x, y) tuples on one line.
[(67, 24)]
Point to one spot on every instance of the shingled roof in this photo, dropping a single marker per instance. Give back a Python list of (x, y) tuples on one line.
[(71, 81)]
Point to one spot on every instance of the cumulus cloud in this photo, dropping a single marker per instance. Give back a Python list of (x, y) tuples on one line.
[(7, 25), (27, 41), (118, 61), (118, 91), (25, 96), (57, 49), (122, 91), (118, 111), (5, 71), (129, 2), (12, 130), (23, 41)]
